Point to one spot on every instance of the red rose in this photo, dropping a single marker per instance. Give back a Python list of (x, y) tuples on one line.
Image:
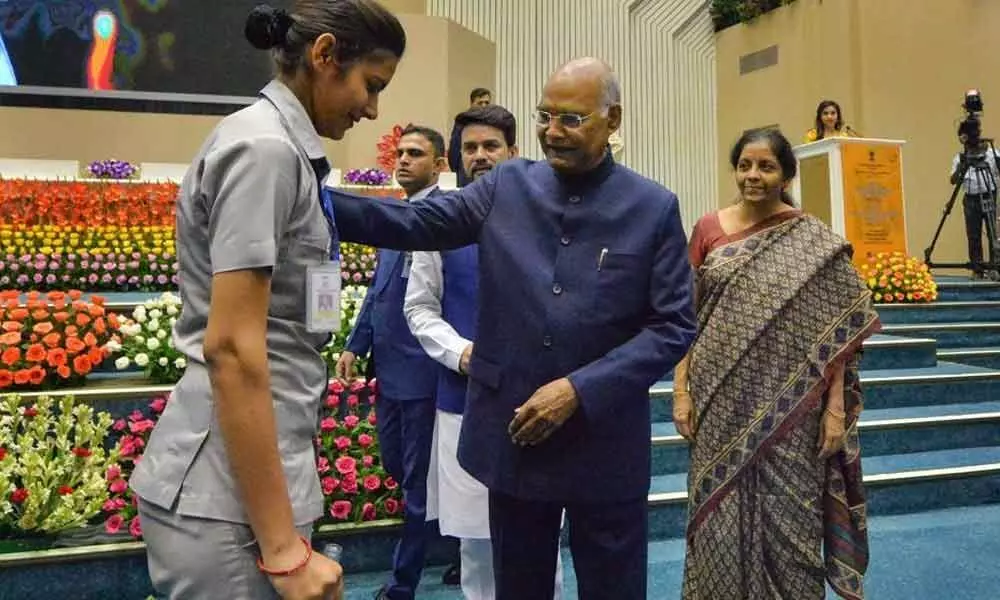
[(372, 483), (391, 506), (30, 411), (330, 485), (341, 510), (368, 512), (342, 443), (114, 524), (3, 453), (19, 495), (65, 490), (346, 465), (82, 452), (135, 528), (336, 387), (390, 483), (365, 440)]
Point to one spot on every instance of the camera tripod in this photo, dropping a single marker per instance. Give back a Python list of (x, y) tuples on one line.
[(983, 176)]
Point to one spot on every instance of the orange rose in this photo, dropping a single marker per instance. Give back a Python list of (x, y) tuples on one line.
[(12, 326), (61, 317), (22, 377), (74, 345), (37, 375), (52, 340), (10, 338), (18, 314), (82, 319), (36, 353), (6, 378), (64, 371), (75, 295), (43, 328), (57, 357), (11, 356), (81, 364)]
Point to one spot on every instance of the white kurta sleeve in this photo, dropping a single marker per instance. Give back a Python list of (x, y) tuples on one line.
[(422, 307)]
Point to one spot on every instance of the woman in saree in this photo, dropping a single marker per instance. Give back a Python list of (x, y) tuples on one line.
[(768, 395)]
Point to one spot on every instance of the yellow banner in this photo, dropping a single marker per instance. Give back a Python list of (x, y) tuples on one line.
[(874, 219)]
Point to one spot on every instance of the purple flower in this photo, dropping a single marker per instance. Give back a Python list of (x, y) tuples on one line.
[(92, 278), (38, 278), (111, 169), (176, 280), (121, 279), (70, 266), (53, 265), (84, 264), (106, 278), (50, 279), (162, 280), (133, 280), (22, 279), (65, 278)]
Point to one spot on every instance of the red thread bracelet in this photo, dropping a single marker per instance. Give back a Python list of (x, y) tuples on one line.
[(287, 572)]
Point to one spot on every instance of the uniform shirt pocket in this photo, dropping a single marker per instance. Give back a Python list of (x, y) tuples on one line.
[(288, 281)]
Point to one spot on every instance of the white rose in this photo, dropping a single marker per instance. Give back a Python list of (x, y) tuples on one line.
[(172, 310), (153, 325), (122, 363), (170, 342), (113, 346), (140, 339), (161, 334), (164, 361), (155, 313), (141, 359), (152, 343), (173, 321), (140, 311), (140, 317), (180, 363)]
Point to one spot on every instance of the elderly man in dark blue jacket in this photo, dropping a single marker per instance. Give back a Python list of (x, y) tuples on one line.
[(585, 301)]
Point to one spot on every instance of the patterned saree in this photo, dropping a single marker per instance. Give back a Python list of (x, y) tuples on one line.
[(767, 519)]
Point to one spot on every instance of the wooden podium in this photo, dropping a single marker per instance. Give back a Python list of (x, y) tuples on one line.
[(855, 185)]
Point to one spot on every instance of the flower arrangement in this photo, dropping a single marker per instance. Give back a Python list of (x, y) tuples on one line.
[(26, 202), (355, 485), (897, 278), (55, 341), (351, 299), (133, 433), (52, 464), (387, 147), (112, 169), (367, 177), (726, 13), (99, 259), (357, 264), (147, 340)]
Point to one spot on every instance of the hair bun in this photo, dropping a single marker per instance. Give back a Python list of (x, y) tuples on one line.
[(267, 27)]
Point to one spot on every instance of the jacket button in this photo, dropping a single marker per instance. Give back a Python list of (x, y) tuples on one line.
[(564, 240), (556, 289), (574, 199), (547, 341)]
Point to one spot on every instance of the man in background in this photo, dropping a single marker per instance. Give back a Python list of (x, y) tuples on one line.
[(975, 169), (478, 97), (407, 378)]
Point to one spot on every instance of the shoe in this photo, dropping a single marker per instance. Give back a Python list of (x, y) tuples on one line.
[(453, 575)]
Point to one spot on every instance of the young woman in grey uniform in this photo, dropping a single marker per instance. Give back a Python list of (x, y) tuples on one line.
[(228, 483)]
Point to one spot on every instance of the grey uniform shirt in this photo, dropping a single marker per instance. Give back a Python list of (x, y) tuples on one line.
[(249, 200)]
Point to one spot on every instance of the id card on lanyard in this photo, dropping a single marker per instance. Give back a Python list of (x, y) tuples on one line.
[(323, 283)]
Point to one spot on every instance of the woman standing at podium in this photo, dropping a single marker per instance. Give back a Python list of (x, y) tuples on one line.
[(768, 395), (829, 123)]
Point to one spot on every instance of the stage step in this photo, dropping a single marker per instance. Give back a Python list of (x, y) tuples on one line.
[(951, 335), (988, 357), (939, 312), (895, 352), (963, 289), (883, 431), (895, 483)]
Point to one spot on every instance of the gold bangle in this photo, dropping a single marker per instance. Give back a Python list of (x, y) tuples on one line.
[(839, 415)]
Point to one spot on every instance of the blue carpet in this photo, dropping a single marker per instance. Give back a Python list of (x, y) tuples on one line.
[(947, 554)]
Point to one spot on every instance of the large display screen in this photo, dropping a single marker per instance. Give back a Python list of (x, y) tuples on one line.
[(165, 46)]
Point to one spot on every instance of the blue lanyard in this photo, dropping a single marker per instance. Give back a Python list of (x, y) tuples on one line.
[(327, 203)]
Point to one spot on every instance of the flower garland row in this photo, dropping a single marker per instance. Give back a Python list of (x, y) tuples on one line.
[(29, 202)]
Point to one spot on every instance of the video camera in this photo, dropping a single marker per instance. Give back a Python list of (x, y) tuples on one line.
[(972, 127)]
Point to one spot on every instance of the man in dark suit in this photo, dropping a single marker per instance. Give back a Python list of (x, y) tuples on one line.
[(584, 302), (407, 377)]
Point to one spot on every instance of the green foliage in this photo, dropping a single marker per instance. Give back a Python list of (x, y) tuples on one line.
[(726, 13)]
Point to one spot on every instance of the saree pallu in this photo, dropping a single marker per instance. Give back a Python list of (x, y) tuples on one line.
[(777, 310)]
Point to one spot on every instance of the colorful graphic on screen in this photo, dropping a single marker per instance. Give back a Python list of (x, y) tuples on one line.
[(101, 63), (130, 45), (7, 75)]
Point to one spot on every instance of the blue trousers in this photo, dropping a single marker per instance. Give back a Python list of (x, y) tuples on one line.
[(607, 540), (406, 433)]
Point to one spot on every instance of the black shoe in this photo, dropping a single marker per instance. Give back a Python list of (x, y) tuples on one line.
[(453, 575)]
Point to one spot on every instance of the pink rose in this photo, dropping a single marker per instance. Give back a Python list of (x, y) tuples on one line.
[(118, 486), (341, 510), (368, 461), (135, 528), (336, 387), (373, 385), (352, 400), (365, 440), (391, 506), (136, 416), (351, 421), (368, 512), (141, 426), (109, 506), (329, 484), (323, 465), (357, 386), (119, 425), (328, 424), (372, 483), (114, 524), (390, 483), (371, 418), (158, 405), (114, 472), (332, 401), (345, 465), (349, 484), (120, 502), (342, 443)]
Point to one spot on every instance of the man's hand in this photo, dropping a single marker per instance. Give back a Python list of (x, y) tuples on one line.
[(683, 413), (547, 409), (463, 362), (832, 434), (345, 366)]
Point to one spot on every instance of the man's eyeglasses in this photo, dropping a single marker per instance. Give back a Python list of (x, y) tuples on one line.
[(567, 120)]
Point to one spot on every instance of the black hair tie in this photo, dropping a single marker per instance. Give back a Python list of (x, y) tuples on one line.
[(267, 27)]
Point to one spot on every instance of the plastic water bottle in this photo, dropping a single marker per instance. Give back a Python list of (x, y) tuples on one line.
[(333, 551)]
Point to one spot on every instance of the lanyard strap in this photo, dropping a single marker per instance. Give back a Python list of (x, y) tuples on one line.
[(326, 202)]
